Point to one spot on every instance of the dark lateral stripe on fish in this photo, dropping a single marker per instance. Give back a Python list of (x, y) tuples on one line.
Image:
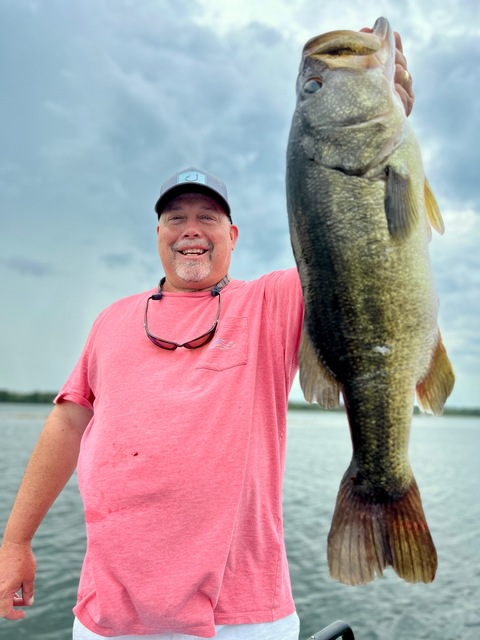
[(367, 536)]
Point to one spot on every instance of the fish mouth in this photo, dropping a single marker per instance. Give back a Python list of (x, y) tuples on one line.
[(355, 49), (342, 43)]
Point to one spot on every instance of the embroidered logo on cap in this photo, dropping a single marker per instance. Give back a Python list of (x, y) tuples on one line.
[(191, 176)]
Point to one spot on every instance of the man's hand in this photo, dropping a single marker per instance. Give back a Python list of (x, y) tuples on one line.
[(17, 575), (402, 79), (50, 467)]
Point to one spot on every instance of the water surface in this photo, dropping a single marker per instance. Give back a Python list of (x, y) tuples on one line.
[(444, 456)]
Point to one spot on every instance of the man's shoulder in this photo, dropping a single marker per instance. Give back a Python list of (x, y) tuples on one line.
[(278, 277)]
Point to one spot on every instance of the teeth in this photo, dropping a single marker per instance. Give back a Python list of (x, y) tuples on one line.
[(187, 252)]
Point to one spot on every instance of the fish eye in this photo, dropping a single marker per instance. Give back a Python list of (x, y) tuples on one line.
[(313, 85)]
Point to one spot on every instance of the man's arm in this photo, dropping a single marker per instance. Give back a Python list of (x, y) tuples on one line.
[(51, 465)]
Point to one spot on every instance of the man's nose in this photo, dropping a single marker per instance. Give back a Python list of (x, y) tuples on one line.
[(192, 229)]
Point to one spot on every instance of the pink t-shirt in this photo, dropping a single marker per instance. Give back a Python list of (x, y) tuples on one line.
[(181, 468)]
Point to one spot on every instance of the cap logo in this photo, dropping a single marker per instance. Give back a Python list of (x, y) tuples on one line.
[(191, 176)]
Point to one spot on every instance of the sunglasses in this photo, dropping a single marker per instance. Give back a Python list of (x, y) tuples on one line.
[(196, 343)]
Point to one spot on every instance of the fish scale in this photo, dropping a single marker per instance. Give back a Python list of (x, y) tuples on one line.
[(360, 212)]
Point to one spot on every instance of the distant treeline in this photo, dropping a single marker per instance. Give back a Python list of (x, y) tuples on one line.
[(36, 397), (303, 406), (46, 397)]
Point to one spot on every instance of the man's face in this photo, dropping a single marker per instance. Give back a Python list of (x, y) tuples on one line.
[(195, 241)]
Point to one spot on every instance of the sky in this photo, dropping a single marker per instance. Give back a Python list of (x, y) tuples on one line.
[(102, 100)]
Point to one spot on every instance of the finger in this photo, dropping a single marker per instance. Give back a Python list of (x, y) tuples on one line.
[(7, 610), (20, 601), (14, 614), (27, 592), (402, 77), (398, 41), (406, 98), (400, 59)]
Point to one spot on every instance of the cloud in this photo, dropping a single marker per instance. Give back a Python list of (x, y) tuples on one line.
[(117, 260), (448, 113), (102, 100), (28, 267)]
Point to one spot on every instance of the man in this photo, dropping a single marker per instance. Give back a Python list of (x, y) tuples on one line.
[(175, 417)]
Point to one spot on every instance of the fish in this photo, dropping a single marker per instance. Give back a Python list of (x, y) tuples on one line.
[(361, 214)]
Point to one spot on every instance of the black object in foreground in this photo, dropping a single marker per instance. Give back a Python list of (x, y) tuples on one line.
[(335, 630)]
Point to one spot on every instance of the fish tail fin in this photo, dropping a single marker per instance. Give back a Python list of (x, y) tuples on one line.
[(317, 384), (433, 391), (366, 536)]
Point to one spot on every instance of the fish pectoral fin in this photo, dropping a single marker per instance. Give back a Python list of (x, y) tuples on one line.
[(433, 212), (433, 391), (317, 384), (401, 208), (367, 535)]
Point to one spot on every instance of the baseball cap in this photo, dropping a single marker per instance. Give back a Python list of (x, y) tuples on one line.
[(196, 181)]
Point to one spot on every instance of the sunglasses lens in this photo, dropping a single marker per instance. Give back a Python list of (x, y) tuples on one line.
[(202, 340), (163, 344)]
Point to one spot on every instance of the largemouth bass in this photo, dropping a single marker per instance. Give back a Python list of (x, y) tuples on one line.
[(360, 214)]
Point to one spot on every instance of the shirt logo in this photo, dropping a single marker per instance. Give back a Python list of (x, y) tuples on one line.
[(223, 345)]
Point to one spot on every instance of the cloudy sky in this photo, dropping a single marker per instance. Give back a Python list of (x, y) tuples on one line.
[(103, 99)]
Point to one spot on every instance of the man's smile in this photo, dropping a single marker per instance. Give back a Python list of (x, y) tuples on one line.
[(192, 252)]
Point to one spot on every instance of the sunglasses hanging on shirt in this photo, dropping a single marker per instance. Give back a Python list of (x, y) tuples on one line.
[(195, 343)]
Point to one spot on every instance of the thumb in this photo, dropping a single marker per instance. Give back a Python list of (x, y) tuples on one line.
[(28, 588)]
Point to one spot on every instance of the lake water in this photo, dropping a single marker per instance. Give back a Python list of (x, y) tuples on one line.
[(445, 457)]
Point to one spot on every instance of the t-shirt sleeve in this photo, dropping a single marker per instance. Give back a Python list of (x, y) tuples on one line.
[(285, 300), (78, 386)]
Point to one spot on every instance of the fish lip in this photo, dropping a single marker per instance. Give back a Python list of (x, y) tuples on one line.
[(334, 47), (333, 42)]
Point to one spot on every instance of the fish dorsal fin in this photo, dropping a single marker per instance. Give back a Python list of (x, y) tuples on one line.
[(433, 212), (401, 206), (317, 384)]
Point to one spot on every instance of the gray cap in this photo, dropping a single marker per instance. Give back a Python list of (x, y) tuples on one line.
[(196, 181)]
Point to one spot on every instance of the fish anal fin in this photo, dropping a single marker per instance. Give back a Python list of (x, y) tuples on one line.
[(317, 384), (433, 391), (368, 535), (433, 212), (401, 207)]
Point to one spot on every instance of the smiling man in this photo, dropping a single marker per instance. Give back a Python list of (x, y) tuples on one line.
[(175, 418), (196, 513), (195, 232)]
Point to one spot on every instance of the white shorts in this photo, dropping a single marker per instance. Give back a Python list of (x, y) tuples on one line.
[(284, 629)]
